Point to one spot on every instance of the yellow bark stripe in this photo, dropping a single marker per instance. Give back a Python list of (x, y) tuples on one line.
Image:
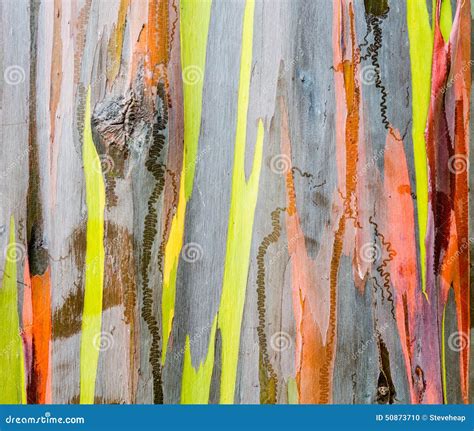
[(239, 235), (194, 27), (12, 369), (421, 48), (196, 383), (94, 264)]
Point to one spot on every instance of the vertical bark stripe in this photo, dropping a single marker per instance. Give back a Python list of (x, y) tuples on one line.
[(94, 265), (12, 364), (194, 26)]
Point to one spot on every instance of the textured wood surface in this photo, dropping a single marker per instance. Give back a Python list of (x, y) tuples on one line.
[(235, 201)]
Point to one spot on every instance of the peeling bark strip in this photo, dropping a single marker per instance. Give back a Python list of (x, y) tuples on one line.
[(235, 201)]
